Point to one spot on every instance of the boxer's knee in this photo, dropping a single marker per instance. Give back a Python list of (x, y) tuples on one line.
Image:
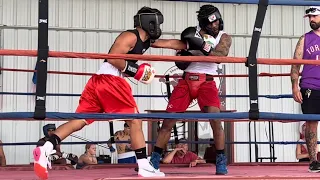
[(167, 126), (216, 125)]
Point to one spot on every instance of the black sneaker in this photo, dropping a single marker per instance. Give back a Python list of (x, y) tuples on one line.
[(314, 166)]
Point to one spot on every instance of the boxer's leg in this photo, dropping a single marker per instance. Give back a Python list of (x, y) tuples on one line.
[(178, 103), (88, 103), (117, 98), (209, 102)]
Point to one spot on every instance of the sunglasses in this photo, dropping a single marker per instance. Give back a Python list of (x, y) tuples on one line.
[(312, 10)]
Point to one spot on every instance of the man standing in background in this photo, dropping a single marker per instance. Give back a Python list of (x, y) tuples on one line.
[(309, 93)]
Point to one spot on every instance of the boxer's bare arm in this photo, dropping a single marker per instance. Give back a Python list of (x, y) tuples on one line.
[(169, 44), (222, 49), (122, 45)]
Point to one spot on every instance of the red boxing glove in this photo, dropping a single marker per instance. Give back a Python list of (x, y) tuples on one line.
[(143, 73)]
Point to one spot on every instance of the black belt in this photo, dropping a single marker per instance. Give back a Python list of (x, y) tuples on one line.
[(195, 77)]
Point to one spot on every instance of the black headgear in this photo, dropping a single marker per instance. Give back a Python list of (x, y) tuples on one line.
[(149, 22), (46, 129), (209, 14)]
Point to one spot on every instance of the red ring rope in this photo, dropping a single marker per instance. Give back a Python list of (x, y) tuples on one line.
[(158, 76), (217, 59)]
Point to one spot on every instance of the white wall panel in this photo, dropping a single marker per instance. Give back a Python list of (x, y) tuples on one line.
[(92, 26)]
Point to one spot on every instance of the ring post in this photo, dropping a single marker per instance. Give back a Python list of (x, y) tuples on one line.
[(41, 66), (252, 60), (253, 72)]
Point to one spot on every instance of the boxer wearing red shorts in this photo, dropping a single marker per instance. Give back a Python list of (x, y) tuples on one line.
[(108, 92), (207, 39), (194, 86), (101, 89)]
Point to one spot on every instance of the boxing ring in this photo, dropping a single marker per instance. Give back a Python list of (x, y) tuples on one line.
[(201, 172), (172, 171)]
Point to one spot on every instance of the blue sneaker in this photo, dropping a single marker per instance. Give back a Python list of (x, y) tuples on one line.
[(155, 163), (155, 159), (221, 164)]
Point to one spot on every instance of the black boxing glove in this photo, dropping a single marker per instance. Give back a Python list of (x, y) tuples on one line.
[(54, 157), (183, 65), (195, 41), (71, 157), (184, 53), (134, 61)]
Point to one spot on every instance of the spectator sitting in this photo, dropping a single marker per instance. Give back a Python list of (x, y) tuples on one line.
[(210, 153), (181, 155), (125, 154), (59, 157), (301, 149), (89, 156), (3, 161)]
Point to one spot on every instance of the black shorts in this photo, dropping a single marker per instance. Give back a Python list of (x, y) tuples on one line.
[(310, 104)]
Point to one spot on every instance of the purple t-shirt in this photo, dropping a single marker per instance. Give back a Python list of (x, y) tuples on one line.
[(310, 77)]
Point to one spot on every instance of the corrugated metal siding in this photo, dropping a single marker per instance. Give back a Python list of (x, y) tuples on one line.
[(92, 25)]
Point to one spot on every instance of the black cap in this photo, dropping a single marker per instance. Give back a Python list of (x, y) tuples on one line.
[(182, 140)]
